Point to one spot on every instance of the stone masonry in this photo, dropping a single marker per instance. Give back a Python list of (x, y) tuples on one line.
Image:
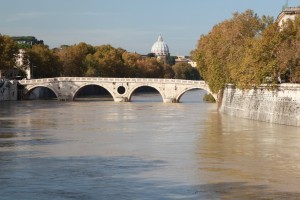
[(279, 104)]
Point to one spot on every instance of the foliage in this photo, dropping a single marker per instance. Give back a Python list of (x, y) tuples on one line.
[(289, 52), (150, 68), (168, 71), (73, 59), (185, 71), (8, 52), (209, 98), (96, 61), (247, 51), (220, 54), (43, 62), (106, 62)]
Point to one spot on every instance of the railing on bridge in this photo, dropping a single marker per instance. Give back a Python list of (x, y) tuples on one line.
[(100, 79)]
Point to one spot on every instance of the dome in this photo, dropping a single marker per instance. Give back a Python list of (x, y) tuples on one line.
[(160, 48)]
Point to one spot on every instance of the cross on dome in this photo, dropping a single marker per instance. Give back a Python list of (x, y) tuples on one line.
[(160, 39)]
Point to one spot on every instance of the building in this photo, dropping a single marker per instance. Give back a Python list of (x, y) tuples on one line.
[(27, 41), (22, 62), (185, 59), (287, 13), (161, 50)]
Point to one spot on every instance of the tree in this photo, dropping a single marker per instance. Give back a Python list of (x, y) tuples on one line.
[(185, 71), (289, 52), (130, 62), (221, 53), (168, 71), (73, 59), (264, 55), (8, 52), (107, 61), (150, 68), (43, 61)]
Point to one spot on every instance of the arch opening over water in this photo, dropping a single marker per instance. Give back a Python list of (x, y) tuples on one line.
[(40, 93), (92, 93), (194, 95), (145, 94)]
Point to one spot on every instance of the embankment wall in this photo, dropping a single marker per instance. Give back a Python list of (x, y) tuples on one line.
[(8, 90), (280, 104)]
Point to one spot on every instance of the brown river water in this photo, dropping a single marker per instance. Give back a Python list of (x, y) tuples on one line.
[(143, 149)]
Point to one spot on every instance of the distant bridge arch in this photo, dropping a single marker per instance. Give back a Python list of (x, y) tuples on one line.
[(30, 89), (132, 90), (74, 94), (181, 93)]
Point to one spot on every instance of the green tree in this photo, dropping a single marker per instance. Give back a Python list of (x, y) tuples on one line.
[(130, 62), (9, 52), (289, 52), (73, 59), (107, 61), (43, 61), (150, 68), (185, 71), (220, 53), (264, 55), (168, 71)]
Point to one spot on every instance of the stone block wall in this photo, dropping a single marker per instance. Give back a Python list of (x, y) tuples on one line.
[(8, 90), (280, 104)]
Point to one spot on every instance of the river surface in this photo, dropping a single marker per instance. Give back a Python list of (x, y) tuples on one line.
[(144, 149)]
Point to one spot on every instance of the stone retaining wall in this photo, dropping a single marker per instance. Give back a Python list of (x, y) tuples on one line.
[(8, 90), (280, 104)]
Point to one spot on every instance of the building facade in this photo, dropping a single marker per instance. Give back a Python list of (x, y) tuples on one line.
[(185, 59), (287, 13)]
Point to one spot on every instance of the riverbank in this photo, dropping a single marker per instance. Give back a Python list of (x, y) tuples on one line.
[(280, 105)]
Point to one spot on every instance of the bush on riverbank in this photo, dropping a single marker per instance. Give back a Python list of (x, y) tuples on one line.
[(209, 98)]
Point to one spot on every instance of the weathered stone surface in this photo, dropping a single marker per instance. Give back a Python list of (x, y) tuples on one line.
[(280, 104)]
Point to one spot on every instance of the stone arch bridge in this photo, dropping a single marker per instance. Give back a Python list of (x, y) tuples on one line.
[(121, 89)]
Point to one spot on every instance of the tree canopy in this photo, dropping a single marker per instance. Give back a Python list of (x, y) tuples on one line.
[(248, 50), (185, 71), (94, 61), (43, 62), (8, 52)]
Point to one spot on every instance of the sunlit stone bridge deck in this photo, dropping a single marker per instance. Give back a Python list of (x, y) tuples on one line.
[(121, 89)]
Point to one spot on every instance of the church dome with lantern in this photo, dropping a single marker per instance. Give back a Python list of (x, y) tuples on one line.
[(160, 48)]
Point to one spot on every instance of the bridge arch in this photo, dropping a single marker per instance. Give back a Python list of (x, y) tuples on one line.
[(132, 90), (181, 93), (30, 89), (91, 84)]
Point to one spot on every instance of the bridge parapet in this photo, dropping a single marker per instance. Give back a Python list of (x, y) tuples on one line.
[(133, 80)]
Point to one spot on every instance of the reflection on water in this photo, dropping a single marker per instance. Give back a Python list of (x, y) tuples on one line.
[(143, 150)]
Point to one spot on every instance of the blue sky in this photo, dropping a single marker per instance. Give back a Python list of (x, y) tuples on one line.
[(130, 24)]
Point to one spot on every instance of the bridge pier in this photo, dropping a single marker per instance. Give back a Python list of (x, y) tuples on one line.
[(64, 98), (121, 99), (169, 100)]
